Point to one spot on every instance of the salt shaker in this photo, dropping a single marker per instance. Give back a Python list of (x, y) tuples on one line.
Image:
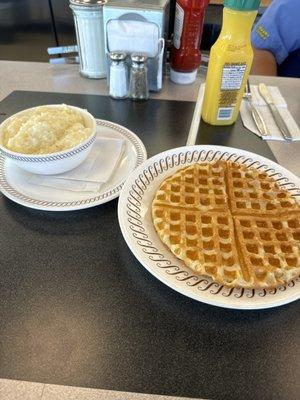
[(138, 86), (118, 82)]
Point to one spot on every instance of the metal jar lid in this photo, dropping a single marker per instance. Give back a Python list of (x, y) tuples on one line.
[(88, 3), (117, 56), (138, 58)]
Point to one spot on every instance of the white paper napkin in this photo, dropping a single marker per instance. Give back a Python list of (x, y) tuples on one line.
[(267, 115), (89, 176), (133, 37)]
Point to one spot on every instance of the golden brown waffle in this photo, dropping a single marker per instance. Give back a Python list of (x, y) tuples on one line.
[(200, 187), (204, 241), (253, 192), (269, 248), (196, 213)]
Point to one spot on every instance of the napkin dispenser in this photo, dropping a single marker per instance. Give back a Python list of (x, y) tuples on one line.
[(138, 26)]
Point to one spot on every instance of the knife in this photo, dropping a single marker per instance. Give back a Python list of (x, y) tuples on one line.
[(266, 95)]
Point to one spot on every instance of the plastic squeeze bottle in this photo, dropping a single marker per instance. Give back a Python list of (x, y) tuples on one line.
[(230, 63), (185, 52)]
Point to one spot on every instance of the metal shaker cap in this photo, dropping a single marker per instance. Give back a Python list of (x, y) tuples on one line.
[(138, 58), (117, 56), (88, 3)]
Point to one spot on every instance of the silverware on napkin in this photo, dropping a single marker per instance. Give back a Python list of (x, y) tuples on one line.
[(256, 115), (266, 95)]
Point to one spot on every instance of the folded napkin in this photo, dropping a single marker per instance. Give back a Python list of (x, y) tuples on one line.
[(89, 176), (265, 112), (133, 37)]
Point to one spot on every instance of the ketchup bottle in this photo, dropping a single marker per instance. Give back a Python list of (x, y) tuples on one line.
[(185, 53)]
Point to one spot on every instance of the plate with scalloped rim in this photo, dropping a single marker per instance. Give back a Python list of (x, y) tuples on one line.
[(136, 224), (14, 185)]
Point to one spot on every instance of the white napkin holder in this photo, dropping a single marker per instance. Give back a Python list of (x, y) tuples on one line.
[(138, 27)]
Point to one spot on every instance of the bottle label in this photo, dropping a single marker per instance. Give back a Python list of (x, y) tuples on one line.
[(178, 26), (231, 82), (232, 76), (225, 113)]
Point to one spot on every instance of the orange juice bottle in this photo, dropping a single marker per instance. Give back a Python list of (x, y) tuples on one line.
[(229, 64)]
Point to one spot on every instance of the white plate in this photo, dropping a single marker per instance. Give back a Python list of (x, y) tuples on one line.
[(14, 185), (135, 220)]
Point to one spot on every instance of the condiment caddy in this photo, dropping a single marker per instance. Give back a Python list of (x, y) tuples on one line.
[(138, 27)]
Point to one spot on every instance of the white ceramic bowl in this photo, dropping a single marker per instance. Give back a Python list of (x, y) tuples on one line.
[(52, 163)]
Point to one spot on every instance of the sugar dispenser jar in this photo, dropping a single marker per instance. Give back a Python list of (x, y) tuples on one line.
[(88, 19)]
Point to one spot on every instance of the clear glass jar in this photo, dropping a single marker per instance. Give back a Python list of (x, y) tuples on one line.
[(118, 81), (138, 86), (88, 19)]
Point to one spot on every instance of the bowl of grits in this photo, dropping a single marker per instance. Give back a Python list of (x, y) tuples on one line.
[(48, 139)]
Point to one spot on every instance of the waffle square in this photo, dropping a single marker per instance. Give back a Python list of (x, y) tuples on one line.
[(253, 192), (269, 248), (204, 241), (200, 187)]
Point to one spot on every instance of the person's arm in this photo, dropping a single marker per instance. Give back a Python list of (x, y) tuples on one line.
[(264, 63), (275, 36)]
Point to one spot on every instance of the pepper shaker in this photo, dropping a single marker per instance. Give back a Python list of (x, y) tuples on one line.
[(118, 82), (138, 87)]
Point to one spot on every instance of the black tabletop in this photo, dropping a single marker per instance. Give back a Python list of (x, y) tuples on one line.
[(77, 308)]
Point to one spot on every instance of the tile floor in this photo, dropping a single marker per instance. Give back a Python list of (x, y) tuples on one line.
[(20, 390)]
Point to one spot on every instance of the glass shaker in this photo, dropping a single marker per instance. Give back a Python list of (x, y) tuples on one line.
[(88, 19), (118, 82), (138, 86)]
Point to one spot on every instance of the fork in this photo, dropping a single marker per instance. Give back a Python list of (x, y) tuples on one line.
[(256, 115)]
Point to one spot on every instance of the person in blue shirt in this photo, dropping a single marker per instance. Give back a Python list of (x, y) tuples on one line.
[(276, 40)]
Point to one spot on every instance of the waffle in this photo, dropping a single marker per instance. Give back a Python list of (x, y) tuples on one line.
[(231, 223)]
